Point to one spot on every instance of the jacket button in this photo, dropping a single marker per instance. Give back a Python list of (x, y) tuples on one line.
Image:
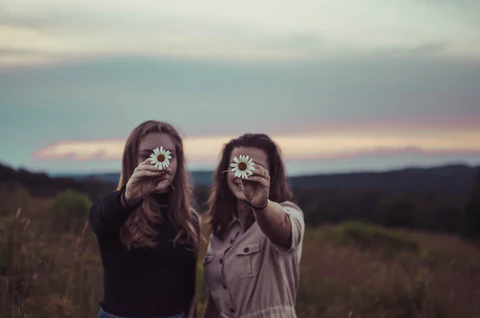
[(232, 310), (221, 261), (224, 286), (246, 250)]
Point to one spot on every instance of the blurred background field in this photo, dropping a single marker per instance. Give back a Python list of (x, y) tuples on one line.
[(50, 265)]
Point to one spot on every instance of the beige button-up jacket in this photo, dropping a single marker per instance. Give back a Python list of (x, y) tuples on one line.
[(250, 277)]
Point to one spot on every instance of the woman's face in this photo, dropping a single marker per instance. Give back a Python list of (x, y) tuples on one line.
[(259, 157), (151, 141)]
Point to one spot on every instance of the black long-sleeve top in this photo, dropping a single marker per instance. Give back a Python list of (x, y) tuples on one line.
[(142, 282)]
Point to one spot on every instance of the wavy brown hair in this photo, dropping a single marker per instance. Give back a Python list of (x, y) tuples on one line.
[(138, 230), (222, 202)]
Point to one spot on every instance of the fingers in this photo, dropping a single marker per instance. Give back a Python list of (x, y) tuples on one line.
[(258, 179), (260, 171), (147, 166), (145, 173)]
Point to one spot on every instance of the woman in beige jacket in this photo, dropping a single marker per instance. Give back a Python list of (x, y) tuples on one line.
[(253, 258)]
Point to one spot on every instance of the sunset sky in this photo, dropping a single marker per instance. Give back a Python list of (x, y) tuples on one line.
[(340, 85)]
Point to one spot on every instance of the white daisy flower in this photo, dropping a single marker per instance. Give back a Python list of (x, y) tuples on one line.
[(160, 158), (242, 167)]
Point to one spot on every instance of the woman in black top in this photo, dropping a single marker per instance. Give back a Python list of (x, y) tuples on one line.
[(147, 231)]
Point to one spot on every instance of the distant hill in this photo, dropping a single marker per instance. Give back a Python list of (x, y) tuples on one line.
[(449, 180), (41, 184)]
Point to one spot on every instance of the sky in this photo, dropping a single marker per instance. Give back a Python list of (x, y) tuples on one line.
[(339, 85)]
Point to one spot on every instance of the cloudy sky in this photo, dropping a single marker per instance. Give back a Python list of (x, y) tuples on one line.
[(340, 85)]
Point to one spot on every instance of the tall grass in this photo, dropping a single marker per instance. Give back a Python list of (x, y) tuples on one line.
[(350, 270)]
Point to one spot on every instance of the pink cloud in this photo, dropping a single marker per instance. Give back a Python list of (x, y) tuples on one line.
[(306, 147), (82, 150)]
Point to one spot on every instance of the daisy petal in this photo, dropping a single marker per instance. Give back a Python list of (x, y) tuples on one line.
[(236, 159)]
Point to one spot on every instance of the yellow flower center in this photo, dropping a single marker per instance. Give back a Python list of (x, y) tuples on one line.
[(161, 157), (242, 166)]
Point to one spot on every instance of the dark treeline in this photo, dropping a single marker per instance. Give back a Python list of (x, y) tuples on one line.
[(396, 210), (40, 184), (450, 213), (471, 228), (439, 212)]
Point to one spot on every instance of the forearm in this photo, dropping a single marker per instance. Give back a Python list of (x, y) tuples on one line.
[(109, 212), (274, 223)]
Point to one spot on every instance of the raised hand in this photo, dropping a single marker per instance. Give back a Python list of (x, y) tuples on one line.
[(144, 180), (256, 188)]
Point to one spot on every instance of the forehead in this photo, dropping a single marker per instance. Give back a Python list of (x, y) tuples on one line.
[(258, 155), (153, 140)]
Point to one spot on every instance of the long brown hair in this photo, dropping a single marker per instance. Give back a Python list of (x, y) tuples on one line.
[(138, 230), (222, 202)]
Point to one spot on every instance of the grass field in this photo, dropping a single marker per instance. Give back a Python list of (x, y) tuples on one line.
[(348, 270)]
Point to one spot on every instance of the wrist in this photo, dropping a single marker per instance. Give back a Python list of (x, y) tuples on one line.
[(257, 208), (128, 201)]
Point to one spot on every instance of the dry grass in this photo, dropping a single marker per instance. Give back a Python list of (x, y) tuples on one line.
[(45, 273), (338, 281)]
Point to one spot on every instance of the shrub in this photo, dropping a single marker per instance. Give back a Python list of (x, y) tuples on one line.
[(70, 210)]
